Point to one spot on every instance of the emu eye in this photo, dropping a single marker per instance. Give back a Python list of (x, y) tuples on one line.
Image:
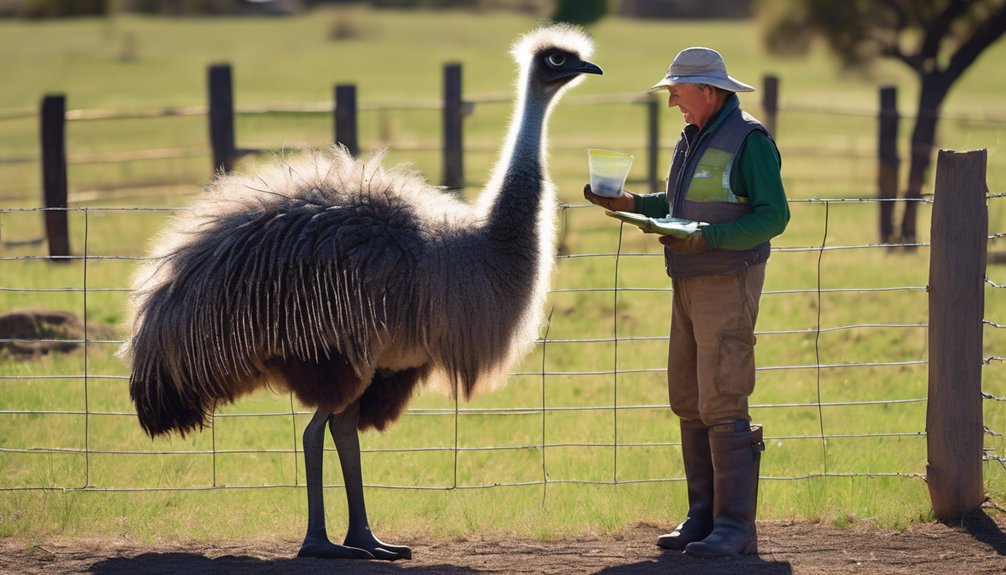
[(557, 59)]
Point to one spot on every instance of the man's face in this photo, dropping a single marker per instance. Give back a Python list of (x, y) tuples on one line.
[(696, 102)]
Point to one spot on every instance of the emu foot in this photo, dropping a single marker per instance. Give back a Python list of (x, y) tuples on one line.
[(379, 549), (322, 548)]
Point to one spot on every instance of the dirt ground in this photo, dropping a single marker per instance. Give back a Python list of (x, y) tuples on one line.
[(978, 546)]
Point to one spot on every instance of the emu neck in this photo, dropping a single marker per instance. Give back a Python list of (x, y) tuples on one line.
[(519, 181)]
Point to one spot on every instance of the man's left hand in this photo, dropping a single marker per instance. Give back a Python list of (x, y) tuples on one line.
[(693, 244)]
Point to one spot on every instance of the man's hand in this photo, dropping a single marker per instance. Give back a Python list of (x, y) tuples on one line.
[(693, 244), (625, 202)]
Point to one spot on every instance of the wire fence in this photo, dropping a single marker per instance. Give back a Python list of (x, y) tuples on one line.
[(383, 132), (842, 365), (650, 368)]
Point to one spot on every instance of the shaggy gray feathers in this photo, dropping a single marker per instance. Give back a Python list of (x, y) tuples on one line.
[(318, 255), (324, 254)]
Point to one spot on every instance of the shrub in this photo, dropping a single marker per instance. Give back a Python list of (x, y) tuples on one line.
[(580, 11), (60, 8)]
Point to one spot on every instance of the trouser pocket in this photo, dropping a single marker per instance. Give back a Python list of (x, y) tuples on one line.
[(736, 373)]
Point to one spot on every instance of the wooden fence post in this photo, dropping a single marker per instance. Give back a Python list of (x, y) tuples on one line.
[(770, 102), (453, 169), (653, 143), (53, 138), (345, 118), (221, 97), (954, 425), (887, 161)]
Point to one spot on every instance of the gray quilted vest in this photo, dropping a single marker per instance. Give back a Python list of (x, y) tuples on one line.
[(698, 188)]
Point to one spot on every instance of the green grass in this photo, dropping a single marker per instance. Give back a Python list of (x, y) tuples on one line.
[(398, 59)]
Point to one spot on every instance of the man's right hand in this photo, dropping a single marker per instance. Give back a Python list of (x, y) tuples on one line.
[(625, 202)]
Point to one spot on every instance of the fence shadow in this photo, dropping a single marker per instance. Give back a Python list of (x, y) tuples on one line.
[(982, 528), (151, 563), (681, 564)]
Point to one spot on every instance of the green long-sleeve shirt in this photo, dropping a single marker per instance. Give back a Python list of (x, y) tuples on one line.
[(758, 177)]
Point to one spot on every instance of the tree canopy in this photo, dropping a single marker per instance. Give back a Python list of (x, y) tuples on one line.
[(580, 11), (937, 39)]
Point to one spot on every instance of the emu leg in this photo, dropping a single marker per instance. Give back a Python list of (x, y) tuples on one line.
[(347, 442), (316, 543)]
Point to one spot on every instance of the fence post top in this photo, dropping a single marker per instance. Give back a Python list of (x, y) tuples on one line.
[(976, 152)]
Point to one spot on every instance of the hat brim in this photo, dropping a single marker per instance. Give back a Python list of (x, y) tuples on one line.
[(728, 83)]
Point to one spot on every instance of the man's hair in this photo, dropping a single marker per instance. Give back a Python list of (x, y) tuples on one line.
[(715, 88)]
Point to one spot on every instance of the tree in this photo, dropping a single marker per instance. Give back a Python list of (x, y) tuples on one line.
[(937, 39), (61, 8), (580, 11)]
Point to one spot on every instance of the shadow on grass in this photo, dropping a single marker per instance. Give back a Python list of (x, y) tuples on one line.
[(681, 564), (980, 526), (193, 563)]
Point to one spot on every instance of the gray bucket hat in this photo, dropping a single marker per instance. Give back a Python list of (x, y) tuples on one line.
[(700, 66)]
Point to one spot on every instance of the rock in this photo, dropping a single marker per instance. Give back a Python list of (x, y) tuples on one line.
[(31, 333)]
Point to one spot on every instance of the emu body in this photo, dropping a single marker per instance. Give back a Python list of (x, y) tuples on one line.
[(352, 284)]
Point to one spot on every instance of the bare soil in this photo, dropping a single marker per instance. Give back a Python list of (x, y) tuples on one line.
[(976, 546)]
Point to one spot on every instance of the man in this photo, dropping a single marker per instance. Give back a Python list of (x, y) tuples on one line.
[(724, 173)]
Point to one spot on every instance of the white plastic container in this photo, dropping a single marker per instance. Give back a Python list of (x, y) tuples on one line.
[(608, 171)]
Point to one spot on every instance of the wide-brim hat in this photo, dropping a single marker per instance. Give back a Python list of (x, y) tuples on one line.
[(700, 66)]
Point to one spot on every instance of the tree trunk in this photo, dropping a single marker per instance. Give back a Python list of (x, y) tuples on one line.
[(933, 90)]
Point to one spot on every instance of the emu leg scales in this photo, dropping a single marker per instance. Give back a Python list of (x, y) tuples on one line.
[(360, 542)]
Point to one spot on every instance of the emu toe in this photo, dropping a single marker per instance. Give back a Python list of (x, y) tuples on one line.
[(325, 549), (379, 549), (391, 552)]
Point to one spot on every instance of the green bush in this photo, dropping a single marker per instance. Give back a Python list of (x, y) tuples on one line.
[(40, 9), (580, 11), (61, 8), (180, 7)]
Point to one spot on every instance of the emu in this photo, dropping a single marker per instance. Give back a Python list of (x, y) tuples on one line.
[(351, 285)]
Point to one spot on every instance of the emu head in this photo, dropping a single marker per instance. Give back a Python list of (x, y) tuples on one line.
[(553, 58)]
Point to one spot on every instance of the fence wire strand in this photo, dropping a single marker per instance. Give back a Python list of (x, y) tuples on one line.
[(91, 415)]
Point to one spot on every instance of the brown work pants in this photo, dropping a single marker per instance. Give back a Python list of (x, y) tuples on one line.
[(710, 360)]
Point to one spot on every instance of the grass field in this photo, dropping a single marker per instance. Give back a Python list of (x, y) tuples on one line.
[(866, 469)]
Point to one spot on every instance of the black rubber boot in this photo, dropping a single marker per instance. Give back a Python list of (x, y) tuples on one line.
[(736, 457), (699, 476)]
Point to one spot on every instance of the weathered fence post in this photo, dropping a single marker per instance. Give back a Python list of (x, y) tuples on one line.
[(453, 169), (954, 425), (653, 143), (345, 118), (53, 138), (887, 161), (770, 102), (221, 98)]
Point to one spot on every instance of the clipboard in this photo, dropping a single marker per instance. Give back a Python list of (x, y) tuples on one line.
[(677, 227)]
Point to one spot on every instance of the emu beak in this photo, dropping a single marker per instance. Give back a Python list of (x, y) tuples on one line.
[(588, 68)]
